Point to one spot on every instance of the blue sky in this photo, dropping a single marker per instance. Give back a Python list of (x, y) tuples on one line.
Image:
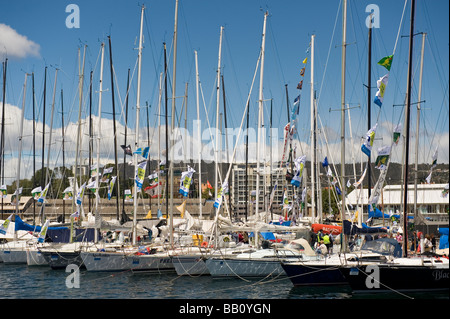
[(289, 29)]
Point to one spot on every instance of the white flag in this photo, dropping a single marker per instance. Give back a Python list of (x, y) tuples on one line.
[(43, 232)]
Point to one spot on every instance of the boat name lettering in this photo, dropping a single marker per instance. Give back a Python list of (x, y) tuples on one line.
[(440, 274)]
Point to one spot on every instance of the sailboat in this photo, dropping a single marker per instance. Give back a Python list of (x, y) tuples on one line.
[(136, 258), (325, 271), (15, 251), (254, 260), (405, 273)]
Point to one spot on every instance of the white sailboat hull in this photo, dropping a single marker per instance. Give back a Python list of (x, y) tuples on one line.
[(223, 267), (14, 256), (115, 261), (35, 258), (192, 265), (14, 252)]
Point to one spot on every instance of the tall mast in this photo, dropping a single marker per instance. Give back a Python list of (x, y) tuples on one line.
[(49, 144), (166, 98), (99, 132), (114, 128), (417, 126), (138, 101), (369, 101), (159, 139), (313, 140), (175, 35), (80, 88), (63, 152), (199, 135), (270, 157), (216, 170), (260, 111), (226, 138), (344, 45), (2, 141), (34, 147), (246, 163), (125, 142), (407, 116), (43, 127), (91, 146), (20, 147)]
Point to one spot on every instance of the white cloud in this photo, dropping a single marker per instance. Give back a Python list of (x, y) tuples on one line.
[(15, 45)]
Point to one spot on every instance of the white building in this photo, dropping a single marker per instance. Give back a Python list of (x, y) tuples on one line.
[(268, 177), (430, 199)]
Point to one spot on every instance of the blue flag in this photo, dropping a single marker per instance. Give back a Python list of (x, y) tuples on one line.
[(325, 162), (366, 148)]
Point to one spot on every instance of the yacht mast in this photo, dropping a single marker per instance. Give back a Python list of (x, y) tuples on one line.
[(20, 150), (344, 45), (80, 88), (175, 36), (49, 145), (2, 141), (313, 140), (198, 136), (260, 111), (114, 129), (138, 101), (369, 101), (99, 132), (417, 126), (216, 170), (407, 117)]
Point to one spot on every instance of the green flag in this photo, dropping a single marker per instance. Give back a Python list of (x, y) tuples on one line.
[(397, 133), (386, 62)]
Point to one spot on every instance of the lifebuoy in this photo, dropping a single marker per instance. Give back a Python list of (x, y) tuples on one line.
[(204, 244)]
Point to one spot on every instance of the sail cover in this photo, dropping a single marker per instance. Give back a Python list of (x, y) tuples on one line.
[(352, 229)]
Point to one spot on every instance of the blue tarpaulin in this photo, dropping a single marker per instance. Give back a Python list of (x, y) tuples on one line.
[(21, 225), (285, 223), (265, 235), (443, 239), (352, 229), (379, 214), (57, 234)]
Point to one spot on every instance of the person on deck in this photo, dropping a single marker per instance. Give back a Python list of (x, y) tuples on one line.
[(322, 249)]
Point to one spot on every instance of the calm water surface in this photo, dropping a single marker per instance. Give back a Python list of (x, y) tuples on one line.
[(24, 282)]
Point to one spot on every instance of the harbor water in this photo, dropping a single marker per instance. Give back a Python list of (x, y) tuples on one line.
[(41, 282)]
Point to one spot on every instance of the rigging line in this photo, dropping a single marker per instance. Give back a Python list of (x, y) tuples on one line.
[(210, 132), (431, 35), (399, 27), (438, 68), (332, 160), (122, 102), (361, 57), (233, 68), (243, 117), (328, 54), (275, 48), (391, 289), (151, 40)]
